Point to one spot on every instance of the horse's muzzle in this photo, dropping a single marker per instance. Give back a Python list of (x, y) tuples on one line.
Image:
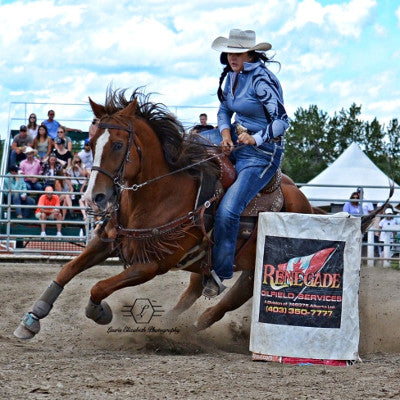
[(101, 201)]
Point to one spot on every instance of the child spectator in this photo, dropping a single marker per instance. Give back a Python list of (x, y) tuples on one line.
[(86, 155), (63, 155), (49, 199), (31, 166), (386, 223), (32, 125), (77, 172), (18, 146), (64, 185), (43, 143), (51, 167), (14, 182)]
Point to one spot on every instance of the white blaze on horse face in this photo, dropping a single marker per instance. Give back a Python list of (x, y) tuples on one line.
[(100, 143)]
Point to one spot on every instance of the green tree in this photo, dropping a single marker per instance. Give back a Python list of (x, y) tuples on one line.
[(306, 146), (314, 141), (392, 154), (345, 127)]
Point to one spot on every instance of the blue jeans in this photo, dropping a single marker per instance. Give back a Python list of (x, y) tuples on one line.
[(33, 186), (255, 167), (17, 201)]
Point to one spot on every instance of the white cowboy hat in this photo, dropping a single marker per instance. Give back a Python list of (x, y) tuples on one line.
[(239, 42), (29, 149), (388, 211)]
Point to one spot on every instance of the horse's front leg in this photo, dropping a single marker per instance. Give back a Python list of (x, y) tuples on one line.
[(96, 252), (97, 309)]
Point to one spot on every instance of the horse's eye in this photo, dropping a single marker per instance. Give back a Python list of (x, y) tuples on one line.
[(117, 146)]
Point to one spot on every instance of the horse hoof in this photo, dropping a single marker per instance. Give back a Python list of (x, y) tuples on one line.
[(22, 332), (99, 313), (28, 328)]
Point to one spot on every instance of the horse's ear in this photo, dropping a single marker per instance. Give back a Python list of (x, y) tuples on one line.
[(98, 110), (130, 110)]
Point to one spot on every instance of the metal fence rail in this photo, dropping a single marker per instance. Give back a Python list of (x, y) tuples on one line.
[(22, 236)]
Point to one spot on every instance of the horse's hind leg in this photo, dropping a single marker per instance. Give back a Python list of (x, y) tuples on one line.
[(189, 296), (239, 293), (96, 252)]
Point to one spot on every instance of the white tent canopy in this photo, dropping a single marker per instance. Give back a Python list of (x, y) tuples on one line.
[(354, 168)]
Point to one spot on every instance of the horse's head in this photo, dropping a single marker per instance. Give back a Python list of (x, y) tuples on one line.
[(116, 154)]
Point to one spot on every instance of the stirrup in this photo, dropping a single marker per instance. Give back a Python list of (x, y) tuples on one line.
[(213, 286)]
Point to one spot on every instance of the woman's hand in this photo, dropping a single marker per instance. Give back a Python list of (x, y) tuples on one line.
[(227, 143), (246, 138)]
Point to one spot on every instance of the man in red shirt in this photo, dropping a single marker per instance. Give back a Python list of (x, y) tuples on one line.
[(49, 199)]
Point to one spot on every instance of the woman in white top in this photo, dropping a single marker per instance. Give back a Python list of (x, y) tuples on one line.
[(32, 125)]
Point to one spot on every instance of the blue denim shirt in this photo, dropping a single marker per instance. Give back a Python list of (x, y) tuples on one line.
[(257, 102)]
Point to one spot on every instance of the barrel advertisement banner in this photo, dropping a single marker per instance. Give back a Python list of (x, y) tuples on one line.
[(306, 285)]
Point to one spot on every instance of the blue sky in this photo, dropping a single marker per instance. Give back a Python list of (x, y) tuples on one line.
[(332, 53)]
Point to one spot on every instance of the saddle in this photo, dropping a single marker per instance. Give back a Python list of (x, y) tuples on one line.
[(270, 198)]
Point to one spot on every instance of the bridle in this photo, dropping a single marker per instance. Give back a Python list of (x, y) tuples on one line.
[(117, 177), (118, 185)]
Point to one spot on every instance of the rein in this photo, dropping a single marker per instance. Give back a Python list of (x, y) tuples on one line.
[(178, 224)]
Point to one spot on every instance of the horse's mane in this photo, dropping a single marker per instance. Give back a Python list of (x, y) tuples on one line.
[(180, 150)]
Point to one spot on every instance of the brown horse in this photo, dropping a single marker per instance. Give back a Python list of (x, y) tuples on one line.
[(144, 185)]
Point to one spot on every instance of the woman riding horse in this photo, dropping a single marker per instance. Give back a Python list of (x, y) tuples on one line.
[(254, 94)]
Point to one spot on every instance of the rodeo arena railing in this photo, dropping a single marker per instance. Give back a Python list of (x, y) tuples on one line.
[(23, 236)]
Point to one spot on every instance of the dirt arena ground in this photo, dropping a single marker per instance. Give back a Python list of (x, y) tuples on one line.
[(73, 358)]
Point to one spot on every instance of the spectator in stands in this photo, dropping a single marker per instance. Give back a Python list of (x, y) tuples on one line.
[(77, 172), (63, 155), (53, 125), (387, 223), (43, 143), (61, 134), (31, 166), (203, 126), (93, 127), (86, 155), (14, 182), (19, 144), (353, 207), (52, 200), (65, 186), (32, 125), (366, 206), (51, 168)]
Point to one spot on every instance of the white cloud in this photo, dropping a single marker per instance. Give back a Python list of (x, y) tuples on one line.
[(380, 30), (347, 19), (397, 13), (55, 51)]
